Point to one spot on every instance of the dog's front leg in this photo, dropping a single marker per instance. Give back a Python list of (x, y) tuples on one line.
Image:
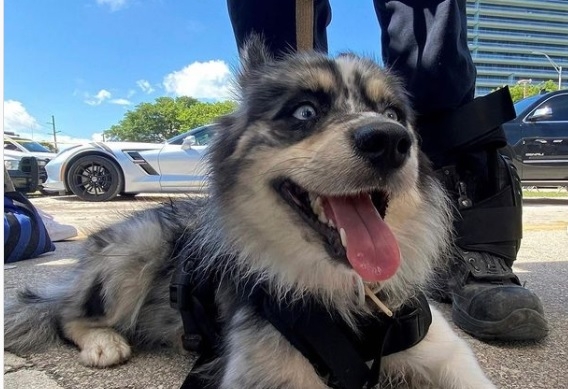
[(446, 359), (259, 357)]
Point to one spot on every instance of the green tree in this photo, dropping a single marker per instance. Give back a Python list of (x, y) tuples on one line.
[(200, 113), (166, 117), (520, 91), (48, 145)]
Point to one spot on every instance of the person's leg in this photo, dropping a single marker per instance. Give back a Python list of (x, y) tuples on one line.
[(275, 20), (425, 42)]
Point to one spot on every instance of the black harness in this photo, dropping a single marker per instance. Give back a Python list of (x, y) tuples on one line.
[(346, 359)]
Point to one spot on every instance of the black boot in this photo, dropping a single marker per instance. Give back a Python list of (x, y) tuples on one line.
[(488, 300)]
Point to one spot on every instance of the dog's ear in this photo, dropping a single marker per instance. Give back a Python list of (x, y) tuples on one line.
[(253, 55)]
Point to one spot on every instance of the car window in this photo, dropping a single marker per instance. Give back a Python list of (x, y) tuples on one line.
[(10, 146), (178, 139), (201, 135), (30, 145), (523, 104), (556, 108), (201, 138)]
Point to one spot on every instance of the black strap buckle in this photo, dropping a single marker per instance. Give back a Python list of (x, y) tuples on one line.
[(195, 300), (469, 127)]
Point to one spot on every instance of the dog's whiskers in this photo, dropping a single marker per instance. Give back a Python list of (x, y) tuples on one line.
[(360, 289)]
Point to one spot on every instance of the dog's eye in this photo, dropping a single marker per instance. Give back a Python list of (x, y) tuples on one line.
[(305, 112), (391, 114)]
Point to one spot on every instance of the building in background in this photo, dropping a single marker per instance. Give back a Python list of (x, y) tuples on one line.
[(518, 41)]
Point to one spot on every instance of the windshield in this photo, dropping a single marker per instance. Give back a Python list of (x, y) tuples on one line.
[(201, 136), (30, 145), (178, 139), (521, 105)]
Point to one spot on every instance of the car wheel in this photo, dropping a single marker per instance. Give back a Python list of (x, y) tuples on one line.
[(94, 178)]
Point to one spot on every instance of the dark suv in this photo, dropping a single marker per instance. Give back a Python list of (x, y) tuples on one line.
[(538, 139)]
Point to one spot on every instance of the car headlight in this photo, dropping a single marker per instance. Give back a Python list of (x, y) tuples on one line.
[(12, 164)]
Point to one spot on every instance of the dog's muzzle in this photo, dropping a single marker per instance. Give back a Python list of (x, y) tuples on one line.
[(352, 227)]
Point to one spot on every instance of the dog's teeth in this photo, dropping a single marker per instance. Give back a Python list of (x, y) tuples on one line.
[(331, 223), (317, 207), (312, 199), (343, 237)]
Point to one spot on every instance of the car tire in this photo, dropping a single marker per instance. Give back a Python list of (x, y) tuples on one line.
[(94, 178)]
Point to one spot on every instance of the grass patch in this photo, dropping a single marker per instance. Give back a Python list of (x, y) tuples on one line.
[(545, 193)]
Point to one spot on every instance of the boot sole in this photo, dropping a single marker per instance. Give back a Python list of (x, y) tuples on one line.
[(522, 324)]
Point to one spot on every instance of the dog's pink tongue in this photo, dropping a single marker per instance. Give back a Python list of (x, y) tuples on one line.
[(372, 249)]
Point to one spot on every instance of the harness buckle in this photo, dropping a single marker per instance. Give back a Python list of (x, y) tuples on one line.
[(464, 201)]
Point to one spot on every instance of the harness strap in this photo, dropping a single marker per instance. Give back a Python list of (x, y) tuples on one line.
[(310, 330), (195, 299), (346, 359), (337, 353), (409, 327), (194, 380)]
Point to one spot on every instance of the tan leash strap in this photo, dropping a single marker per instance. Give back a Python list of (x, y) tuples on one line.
[(304, 25)]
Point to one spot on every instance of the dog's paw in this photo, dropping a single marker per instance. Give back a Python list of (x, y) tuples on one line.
[(104, 347)]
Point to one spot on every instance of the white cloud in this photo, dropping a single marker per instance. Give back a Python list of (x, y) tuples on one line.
[(97, 99), (201, 80), (97, 136), (120, 102), (114, 5), (66, 141), (145, 86), (17, 118)]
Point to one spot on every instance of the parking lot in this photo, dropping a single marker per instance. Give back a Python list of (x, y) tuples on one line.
[(542, 265)]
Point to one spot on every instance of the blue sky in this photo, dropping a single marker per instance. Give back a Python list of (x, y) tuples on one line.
[(87, 62)]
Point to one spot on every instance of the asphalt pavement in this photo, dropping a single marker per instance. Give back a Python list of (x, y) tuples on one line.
[(542, 265)]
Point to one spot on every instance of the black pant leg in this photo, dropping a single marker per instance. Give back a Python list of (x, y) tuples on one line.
[(276, 21), (425, 42)]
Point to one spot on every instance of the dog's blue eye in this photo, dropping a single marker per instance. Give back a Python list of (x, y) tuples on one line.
[(391, 114), (305, 112)]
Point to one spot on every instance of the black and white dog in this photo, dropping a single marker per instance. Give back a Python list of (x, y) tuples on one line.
[(318, 190)]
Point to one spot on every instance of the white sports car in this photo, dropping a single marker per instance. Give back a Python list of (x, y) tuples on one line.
[(100, 171)]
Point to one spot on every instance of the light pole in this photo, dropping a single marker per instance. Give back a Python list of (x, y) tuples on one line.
[(556, 67), (524, 84)]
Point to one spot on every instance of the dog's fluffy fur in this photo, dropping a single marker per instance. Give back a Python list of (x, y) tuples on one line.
[(294, 128)]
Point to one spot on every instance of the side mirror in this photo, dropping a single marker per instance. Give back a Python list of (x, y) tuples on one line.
[(540, 113), (188, 142)]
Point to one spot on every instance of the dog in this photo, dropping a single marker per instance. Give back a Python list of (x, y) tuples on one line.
[(317, 190)]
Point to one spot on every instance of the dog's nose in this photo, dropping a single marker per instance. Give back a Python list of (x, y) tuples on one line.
[(386, 145)]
